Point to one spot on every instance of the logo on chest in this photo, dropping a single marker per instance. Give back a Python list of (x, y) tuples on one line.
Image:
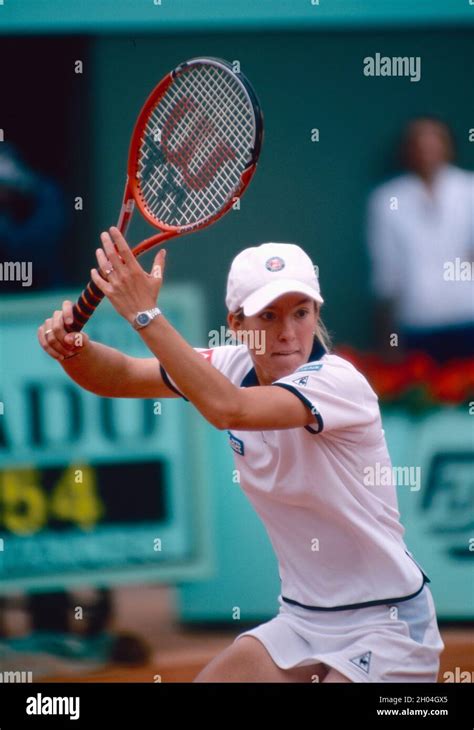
[(312, 366), (301, 381), (236, 444)]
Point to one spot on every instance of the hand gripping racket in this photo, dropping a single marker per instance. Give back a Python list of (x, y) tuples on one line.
[(193, 151)]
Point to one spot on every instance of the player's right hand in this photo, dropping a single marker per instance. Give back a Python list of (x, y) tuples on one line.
[(55, 340)]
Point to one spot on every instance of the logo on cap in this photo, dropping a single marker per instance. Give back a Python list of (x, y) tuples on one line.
[(275, 263)]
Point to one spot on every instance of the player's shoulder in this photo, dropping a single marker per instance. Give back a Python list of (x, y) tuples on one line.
[(336, 372), (331, 362)]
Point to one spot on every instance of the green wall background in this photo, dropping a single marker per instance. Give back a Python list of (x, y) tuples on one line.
[(310, 193), (35, 16)]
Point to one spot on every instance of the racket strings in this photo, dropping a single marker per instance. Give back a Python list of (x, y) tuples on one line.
[(228, 103), (195, 146), (213, 201), (187, 155)]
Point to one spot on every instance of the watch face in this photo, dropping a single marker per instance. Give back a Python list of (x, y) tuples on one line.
[(143, 318)]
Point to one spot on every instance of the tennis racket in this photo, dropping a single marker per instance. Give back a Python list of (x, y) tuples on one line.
[(193, 152)]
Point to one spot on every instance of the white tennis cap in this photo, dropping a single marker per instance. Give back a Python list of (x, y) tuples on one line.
[(260, 274)]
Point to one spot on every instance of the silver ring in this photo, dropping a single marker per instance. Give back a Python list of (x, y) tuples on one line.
[(109, 271), (47, 332)]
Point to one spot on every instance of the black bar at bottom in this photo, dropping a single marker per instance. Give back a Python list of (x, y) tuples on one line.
[(148, 705)]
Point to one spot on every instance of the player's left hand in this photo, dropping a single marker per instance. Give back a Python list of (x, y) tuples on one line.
[(128, 286)]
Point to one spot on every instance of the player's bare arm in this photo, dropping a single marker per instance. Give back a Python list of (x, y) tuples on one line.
[(223, 404), (130, 290), (98, 368)]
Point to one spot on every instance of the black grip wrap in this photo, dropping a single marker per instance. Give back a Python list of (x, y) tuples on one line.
[(85, 307)]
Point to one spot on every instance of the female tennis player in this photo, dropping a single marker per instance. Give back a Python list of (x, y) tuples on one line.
[(304, 426)]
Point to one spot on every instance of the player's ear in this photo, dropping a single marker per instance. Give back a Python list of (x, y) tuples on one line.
[(233, 321)]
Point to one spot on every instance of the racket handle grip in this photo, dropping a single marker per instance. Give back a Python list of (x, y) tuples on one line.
[(85, 307)]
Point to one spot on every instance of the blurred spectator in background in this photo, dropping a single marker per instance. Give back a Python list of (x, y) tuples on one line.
[(421, 244), (32, 224)]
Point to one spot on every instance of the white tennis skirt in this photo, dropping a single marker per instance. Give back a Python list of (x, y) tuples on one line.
[(398, 642)]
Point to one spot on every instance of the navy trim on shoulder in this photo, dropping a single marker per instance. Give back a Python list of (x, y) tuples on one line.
[(250, 379), (360, 605), (317, 351), (308, 403), (168, 382)]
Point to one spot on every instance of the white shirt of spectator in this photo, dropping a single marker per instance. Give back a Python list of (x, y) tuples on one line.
[(338, 542), (412, 235)]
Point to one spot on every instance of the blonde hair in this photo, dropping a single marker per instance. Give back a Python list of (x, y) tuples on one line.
[(320, 333)]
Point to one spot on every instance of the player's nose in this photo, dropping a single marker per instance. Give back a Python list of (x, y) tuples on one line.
[(287, 330)]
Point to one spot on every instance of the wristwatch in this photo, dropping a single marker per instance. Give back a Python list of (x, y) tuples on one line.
[(144, 318)]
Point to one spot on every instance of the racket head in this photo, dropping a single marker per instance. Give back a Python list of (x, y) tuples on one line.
[(195, 145)]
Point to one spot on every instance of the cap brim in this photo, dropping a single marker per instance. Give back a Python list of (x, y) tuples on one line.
[(261, 298)]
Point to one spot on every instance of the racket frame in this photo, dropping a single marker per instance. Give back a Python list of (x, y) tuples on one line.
[(92, 295)]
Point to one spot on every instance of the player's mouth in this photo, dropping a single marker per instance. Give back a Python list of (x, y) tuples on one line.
[(284, 354)]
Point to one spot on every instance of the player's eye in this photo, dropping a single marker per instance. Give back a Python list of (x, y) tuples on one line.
[(303, 313), (271, 315)]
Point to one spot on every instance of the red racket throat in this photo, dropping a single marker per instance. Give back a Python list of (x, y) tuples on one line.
[(193, 152)]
